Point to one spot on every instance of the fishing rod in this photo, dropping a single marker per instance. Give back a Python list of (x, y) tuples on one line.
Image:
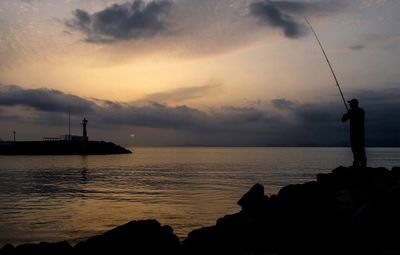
[(327, 60)]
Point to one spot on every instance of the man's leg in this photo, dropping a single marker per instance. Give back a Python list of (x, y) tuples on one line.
[(356, 161), (363, 157)]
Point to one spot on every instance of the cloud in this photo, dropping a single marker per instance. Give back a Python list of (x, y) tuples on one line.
[(47, 100), (285, 14), (267, 12), (283, 104), (357, 47), (383, 40), (301, 124), (382, 118), (311, 7), (121, 22), (188, 28), (180, 95), (193, 27)]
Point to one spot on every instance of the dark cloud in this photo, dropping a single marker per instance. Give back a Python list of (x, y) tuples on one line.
[(47, 100), (156, 116), (302, 124), (314, 7), (382, 118), (283, 104), (119, 22), (272, 15), (286, 14), (357, 47), (180, 94)]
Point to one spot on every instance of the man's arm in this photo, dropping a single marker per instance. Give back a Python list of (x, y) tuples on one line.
[(346, 117)]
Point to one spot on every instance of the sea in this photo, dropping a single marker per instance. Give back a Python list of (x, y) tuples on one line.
[(55, 198)]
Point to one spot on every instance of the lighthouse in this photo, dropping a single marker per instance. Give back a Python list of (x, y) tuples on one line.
[(84, 125)]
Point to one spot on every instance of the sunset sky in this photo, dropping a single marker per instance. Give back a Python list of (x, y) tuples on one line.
[(199, 72)]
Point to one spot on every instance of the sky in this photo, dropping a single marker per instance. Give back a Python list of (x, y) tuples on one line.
[(190, 72)]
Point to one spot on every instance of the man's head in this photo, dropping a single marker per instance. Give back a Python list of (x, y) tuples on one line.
[(353, 103)]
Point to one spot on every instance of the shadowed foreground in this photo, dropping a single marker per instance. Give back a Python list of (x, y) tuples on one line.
[(348, 211)]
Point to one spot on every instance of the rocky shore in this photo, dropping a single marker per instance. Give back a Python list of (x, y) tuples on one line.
[(347, 211)]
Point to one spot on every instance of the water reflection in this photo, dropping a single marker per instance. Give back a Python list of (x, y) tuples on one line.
[(84, 171)]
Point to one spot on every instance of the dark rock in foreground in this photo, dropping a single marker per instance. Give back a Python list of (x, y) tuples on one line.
[(136, 237), (145, 237), (43, 248), (349, 211)]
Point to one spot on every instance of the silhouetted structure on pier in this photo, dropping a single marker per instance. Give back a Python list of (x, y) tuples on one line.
[(84, 124), (62, 145)]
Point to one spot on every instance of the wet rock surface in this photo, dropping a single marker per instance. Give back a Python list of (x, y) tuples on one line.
[(347, 211)]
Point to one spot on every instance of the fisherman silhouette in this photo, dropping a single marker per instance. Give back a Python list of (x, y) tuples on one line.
[(356, 116)]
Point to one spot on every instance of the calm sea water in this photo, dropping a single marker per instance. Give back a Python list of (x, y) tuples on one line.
[(57, 198)]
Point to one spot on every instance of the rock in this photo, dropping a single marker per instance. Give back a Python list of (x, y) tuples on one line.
[(236, 233), (396, 172), (306, 212), (243, 232), (7, 249), (205, 240), (348, 211), (376, 225), (43, 248), (254, 199), (145, 237)]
